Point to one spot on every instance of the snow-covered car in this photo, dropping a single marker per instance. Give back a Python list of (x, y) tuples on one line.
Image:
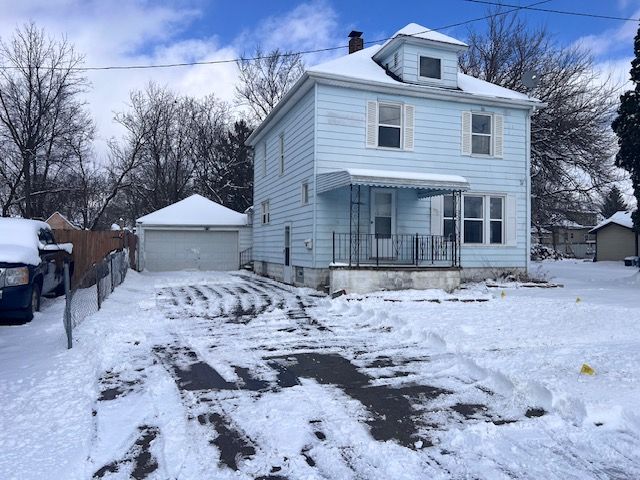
[(31, 265)]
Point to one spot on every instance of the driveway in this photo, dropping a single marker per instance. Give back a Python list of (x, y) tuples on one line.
[(276, 384), (216, 375)]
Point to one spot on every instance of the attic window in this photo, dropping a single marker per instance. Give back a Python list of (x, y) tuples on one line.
[(430, 68), (395, 60)]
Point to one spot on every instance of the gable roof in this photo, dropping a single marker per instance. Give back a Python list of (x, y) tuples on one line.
[(195, 210), (619, 218)]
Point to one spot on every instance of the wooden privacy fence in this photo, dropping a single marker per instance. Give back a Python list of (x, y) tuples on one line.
[(90, 247)]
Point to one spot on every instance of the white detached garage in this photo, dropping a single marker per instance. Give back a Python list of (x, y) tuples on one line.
[(192, 234)]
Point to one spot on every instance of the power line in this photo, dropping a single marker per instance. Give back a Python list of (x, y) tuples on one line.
[(302, 52), (560, 12)]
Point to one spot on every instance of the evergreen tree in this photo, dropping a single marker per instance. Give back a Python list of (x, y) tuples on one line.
[(627, 127), (613, 202)]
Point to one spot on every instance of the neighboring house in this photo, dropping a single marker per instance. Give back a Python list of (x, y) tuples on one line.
[(192, 234), (615, 238), (57, 221), (389, 168)]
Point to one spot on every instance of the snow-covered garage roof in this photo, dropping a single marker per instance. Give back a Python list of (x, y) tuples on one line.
[(620, 218), (195, 210)]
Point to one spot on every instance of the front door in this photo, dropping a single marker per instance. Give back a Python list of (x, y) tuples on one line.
[(383, 221), (287, 270)]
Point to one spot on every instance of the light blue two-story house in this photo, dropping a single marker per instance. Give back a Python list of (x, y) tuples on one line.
[(388, 168)]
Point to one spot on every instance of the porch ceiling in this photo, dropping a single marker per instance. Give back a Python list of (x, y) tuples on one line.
[(428, 184)]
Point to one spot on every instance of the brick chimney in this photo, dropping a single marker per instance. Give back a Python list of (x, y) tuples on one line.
[(356, 42)]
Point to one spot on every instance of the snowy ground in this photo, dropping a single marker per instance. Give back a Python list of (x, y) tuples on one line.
[(210, 375)]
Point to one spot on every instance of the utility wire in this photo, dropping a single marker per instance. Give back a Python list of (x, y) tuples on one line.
[(289, 54), (560, 12)]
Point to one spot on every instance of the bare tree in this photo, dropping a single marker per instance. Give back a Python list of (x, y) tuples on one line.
[(266, 78), (40, 111), (571, 142)]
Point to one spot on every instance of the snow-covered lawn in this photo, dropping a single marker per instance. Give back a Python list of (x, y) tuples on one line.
[(215, 375)]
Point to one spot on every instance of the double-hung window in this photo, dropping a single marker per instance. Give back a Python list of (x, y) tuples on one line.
[(265, 212), (473, 219), (496, 220), (481, 134), (389, 125)]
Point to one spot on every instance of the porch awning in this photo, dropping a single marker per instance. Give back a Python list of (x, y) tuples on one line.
[(428, 184)]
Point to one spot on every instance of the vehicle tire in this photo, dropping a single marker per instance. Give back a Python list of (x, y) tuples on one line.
[(34, 305)]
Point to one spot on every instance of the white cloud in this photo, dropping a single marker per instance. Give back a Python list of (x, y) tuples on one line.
[(138, 32)]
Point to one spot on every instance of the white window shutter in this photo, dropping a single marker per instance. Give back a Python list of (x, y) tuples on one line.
[(409, 126), (511, 226), (498, 135), (466, 133), (437, 206), (372, 124)]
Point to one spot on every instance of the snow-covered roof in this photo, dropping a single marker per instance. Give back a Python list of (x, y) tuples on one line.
[(418, 31), (361, 66), (19, 240), (390, 178), (620, 218), (195, 210)]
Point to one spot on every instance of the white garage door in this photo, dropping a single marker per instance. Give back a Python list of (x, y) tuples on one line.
[(166, 250)]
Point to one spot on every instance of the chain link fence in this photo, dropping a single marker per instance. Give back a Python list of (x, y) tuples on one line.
[(87, 296)]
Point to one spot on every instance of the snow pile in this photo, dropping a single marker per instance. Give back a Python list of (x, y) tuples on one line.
[(195, 210), (19, 240)]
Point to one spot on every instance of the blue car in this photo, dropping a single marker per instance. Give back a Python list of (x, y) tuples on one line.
[(31, 265)]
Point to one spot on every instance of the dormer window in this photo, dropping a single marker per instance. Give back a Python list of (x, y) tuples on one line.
[(389, 125), (430, 68)]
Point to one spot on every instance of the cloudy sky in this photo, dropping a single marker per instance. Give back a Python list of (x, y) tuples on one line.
[(128, 32)]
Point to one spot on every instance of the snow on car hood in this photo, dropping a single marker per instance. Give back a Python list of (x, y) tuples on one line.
[(19, 240)]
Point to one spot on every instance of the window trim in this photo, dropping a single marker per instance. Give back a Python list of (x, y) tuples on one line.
[(265, 214), (490, 135), (281, 154), (486, 219), (399, 127), (430, 79), (304, 193)]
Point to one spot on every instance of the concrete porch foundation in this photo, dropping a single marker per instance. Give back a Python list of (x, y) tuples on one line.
[(371, 279)]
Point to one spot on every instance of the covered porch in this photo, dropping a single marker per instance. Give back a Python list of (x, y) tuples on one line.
[(389, 214)]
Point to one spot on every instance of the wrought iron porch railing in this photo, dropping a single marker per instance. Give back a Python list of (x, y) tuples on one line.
[(399, 249)]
